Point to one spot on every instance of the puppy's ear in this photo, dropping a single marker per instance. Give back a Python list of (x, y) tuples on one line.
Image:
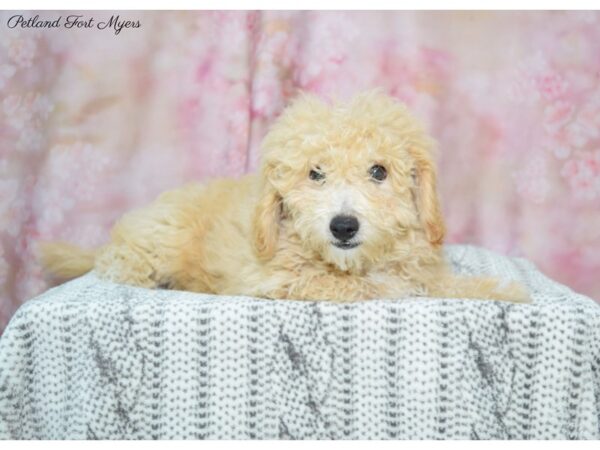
[(265, 223), (402, 126), (428, 204)]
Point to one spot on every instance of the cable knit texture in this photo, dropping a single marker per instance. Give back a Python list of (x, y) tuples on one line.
[(92, 359)]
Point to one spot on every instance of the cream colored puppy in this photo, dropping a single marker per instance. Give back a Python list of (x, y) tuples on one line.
[(344, 208)]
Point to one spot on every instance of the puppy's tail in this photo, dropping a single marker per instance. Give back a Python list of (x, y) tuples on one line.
[(65, 261)]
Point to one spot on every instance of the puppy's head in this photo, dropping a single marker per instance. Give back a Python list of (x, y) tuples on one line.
[(352, 180)]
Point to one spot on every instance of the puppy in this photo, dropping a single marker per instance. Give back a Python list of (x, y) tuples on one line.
[(344, 208)]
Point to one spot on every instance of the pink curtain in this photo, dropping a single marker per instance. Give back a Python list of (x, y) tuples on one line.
[(93, 124)]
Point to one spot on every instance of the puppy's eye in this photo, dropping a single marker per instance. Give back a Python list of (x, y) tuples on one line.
[(378, 173), (316, 174)]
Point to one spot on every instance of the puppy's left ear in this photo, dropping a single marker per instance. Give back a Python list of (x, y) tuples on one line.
[(428, 203), (404, 127), (265, 223)]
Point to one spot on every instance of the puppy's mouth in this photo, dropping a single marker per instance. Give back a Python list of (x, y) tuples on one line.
[(346, 245)]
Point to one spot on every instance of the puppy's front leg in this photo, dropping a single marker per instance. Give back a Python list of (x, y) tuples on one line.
[(328, 286), (486, 288)]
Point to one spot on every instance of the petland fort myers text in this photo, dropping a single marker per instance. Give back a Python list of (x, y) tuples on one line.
[(73, 22)]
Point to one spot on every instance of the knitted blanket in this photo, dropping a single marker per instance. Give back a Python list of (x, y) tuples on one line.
[(96, 360)]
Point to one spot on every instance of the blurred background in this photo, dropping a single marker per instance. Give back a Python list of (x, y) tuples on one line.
[(93, 124)]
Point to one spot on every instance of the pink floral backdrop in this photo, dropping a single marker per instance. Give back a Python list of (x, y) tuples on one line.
[(93, 124)]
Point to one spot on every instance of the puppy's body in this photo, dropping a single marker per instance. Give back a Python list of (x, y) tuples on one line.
[(272, 234)]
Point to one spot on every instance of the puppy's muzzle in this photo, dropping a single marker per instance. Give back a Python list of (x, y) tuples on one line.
[(343, 229)]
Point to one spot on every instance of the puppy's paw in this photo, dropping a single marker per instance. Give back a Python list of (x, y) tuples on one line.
[(484, 288), (514, 292)]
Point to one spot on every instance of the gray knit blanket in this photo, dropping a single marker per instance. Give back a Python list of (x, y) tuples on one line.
[(96, 360)]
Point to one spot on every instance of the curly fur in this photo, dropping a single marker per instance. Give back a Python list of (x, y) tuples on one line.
[(267, 235)]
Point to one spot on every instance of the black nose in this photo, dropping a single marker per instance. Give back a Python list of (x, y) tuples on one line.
[(344, 227)]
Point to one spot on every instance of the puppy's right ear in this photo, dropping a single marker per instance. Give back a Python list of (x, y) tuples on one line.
[(265, 224), (428, 203)]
